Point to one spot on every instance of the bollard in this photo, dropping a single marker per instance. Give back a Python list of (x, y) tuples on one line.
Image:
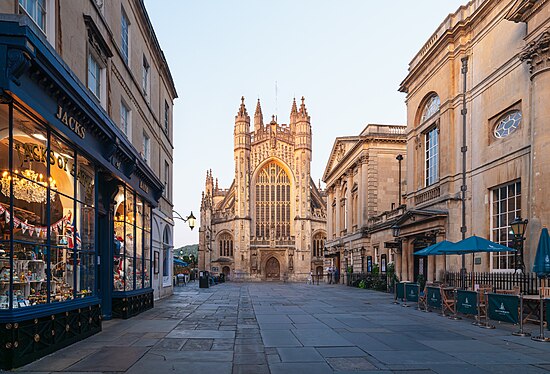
[(521, 332), (541, 337)]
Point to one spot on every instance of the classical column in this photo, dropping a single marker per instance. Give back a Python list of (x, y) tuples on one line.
[(363, 190), (439, 261), (338, 220), (405, 259), (349, 201), (537, 56), (330, 217)]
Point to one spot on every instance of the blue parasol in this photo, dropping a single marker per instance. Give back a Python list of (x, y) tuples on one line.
[(434, 249), (542, 258), (475, 244)]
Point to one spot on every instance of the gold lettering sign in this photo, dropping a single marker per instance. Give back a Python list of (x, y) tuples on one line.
[(143, 186), (70, 121)]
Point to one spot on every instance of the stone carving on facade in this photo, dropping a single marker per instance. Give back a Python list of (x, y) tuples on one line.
[(340, 152), (537, 53)]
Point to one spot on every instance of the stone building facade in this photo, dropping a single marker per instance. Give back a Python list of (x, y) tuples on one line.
[(111, 47), (270, 223), (501, 49), (363, 181)]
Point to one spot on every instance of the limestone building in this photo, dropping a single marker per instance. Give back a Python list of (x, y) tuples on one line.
[(270, 223), (86, 100), (501, 50), (363, 181)]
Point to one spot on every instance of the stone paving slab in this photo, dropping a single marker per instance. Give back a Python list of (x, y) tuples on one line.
[(271, 328)]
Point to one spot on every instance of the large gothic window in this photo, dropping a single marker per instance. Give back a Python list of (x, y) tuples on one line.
[(319, 244), (272, 202), (226, 245)]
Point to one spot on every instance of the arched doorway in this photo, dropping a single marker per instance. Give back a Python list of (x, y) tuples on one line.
[(272, 269), (226, 271), (319, 270)]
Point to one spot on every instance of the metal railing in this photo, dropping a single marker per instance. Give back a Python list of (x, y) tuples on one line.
[(528, 283)]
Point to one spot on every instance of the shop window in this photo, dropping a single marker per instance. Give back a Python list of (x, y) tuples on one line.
[(125, 36), (132, 257), (505, 207), (432, 156), (52, 220)]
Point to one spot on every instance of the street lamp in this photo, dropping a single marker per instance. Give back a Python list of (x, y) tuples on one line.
[(396, 230), (518, 227), (399, 158), (190, 218)]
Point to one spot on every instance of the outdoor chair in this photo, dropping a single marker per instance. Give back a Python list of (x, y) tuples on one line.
[(544, 292), (423, 298), (514, 291), (447, 301), (482, 302)]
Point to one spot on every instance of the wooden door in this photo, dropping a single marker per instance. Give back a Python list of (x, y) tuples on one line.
[(272, 269)]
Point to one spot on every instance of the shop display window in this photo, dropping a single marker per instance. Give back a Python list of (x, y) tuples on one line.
[(132, 243), (48, 222)]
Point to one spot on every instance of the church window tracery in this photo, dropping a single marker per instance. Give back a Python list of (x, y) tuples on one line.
[(272, 202)]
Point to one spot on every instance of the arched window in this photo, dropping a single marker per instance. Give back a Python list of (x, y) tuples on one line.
[(226, 245), (430, 108), (319, 240), (272, 202)]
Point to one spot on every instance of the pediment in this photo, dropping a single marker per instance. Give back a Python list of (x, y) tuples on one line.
[(340, 150)]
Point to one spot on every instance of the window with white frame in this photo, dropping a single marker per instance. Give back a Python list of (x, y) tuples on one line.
[(125, 36), (36, 9), (166, 116), (146, 147), (125, 118), (432, 156), (505, 207), (166, 179), (146, 77), (94, 75)]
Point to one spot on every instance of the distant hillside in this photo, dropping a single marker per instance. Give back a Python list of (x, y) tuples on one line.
[(187, 250)]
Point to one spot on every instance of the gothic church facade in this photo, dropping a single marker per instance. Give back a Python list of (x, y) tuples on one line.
[(270, 224)]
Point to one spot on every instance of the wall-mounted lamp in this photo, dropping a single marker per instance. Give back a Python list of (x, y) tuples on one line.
[(190, 218)]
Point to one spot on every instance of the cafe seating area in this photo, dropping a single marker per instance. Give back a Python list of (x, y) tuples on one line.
[(485, 304)]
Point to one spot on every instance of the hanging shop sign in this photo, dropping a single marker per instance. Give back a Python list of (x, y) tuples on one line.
[(70, 121)]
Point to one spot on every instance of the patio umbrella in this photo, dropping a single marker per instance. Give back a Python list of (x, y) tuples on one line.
[(474, 244), (542, 258), (434, 249)]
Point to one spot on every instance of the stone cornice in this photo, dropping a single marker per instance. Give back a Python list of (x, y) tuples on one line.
[(537, 54), (523, 10)]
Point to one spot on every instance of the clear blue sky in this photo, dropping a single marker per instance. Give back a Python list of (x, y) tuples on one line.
[(347, 57)]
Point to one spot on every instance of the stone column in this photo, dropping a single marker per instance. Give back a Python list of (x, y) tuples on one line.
[(405, 259), (537, 56), (399, 265), (439, 261), (330, 217), (410, 251), (363, 189), (349, 201), (338, 225)]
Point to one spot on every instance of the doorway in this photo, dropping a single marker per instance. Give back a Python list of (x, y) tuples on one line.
[(272, 269), (420, 265)]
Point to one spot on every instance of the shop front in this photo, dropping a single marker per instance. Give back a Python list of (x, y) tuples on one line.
[(75, 206)]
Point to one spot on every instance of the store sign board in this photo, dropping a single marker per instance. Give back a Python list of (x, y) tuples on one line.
[(70, 121)]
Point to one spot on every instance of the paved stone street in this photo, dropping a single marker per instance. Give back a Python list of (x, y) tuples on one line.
[(294, 328)]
